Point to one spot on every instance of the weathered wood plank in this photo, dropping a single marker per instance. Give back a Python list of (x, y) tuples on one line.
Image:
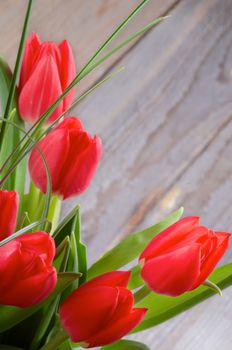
[(166, 124), (84, 23), (176, 102)]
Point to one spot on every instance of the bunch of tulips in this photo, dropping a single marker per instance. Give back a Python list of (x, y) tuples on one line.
[(50, 299)]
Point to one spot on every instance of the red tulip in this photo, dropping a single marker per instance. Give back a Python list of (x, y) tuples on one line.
[(101, 310), (72, 157), (47, 69), (181, 257), (9, 203), (26, 272)]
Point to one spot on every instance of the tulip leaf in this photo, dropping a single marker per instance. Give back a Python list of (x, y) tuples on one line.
[(162, 308), (66, 346), (11, 315), (126, 345), (131, 246), (12, 134), (135, 278), (65, 226), (78, 248), (71, 226)]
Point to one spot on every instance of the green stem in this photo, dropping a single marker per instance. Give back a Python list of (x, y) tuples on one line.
[(33, 202), (141, 294), (54, 211), (57, 340)]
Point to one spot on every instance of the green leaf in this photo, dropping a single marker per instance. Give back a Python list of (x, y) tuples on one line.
[(11, 315), (126, 345), (65, 226), (65, 346), (130, 247), (135, 278), (12, 134), (79, 247), (5, 79), (162, 308)]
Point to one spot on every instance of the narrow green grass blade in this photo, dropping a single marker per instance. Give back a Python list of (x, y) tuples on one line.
[(22, 231), (16, 70)]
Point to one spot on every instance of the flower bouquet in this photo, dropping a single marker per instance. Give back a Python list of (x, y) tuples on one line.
[(49, 297)]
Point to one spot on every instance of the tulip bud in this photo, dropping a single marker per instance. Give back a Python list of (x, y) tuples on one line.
[(72, 157), (101, 310), (9, 203), (47, 69), (181, 257), (26, 272)]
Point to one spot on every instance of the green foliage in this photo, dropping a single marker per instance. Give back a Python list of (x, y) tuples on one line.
[(162, 308), (126, 345), (130, 247)]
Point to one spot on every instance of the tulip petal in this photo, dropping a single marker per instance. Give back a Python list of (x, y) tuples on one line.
[(116, 330), (10, 259), (31, 52), (48, 48), (173, 273), (9, 204), (214, 257), (170, 237), (55, 150), (124, 304), (111, 279), (67, 72), (71, 123), (87, 310), (40, 91), (79, 170), (30, 291), (39, 243)]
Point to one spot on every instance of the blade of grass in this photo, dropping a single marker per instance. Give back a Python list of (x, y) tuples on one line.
[(16, 69), (22, 231)]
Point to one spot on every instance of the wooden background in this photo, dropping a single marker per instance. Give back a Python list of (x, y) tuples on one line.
[(166, 123)]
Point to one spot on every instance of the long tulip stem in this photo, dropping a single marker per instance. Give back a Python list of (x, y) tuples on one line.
[(141, 294), (54, 211), (55, 341), (32, 202)]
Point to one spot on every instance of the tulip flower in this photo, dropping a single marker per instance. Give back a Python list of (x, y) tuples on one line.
[(26, 272), (181, 257), (47, 69), (9, 203), (72, 157), (100, 311)]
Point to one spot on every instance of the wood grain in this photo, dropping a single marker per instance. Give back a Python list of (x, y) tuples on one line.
[(166, 123)]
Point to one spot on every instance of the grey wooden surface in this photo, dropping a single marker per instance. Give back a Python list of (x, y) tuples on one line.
[(166, 123)]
